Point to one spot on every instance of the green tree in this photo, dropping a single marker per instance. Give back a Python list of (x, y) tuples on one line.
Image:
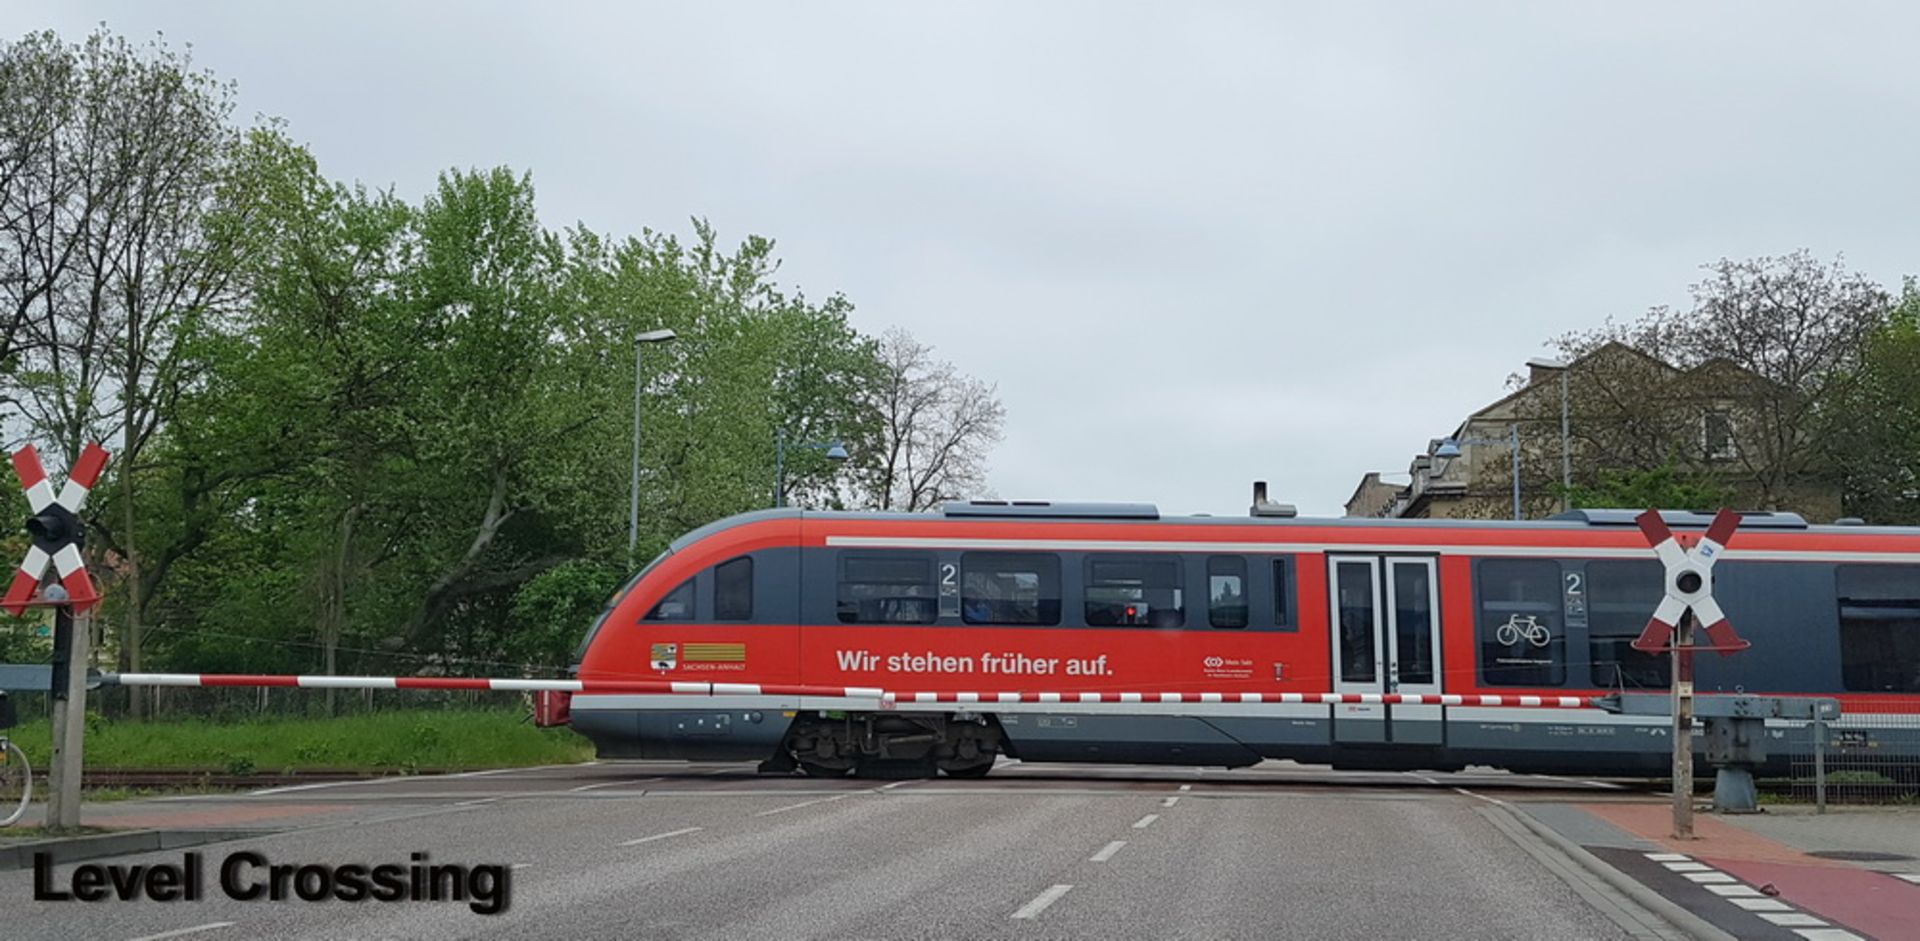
[(123, 211), (1876, 426), (1663, 487)]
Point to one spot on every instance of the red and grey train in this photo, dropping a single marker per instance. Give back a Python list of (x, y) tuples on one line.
[(1109, 633)]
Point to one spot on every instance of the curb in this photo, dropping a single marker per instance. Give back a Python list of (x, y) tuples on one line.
[(1646, 898), (75, 849)]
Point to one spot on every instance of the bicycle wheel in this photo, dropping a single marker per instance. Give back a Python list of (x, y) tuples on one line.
[(16, 784)]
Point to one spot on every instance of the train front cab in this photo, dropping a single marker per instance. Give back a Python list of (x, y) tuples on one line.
[(715, 594)]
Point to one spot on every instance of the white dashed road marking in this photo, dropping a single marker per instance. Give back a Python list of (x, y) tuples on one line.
[(595, 787), (1145, 822), (662, 836), (1040, 902), (1750, 899), (1106, 852), (184, 931), (1794, 920), (1169, 802), (782, 810)]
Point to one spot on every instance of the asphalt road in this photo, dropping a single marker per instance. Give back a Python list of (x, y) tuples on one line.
[(645, 850)]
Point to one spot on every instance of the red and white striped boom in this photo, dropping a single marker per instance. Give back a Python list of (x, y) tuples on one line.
[(883, 699)]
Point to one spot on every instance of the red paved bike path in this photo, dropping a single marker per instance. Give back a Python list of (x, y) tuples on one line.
[(1866, 901)]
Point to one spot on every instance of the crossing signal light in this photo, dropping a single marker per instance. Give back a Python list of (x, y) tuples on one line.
[(55, 526)]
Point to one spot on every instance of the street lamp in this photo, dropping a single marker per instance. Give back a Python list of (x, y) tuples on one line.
[(633, 506), (1450, 448), (835, 451)]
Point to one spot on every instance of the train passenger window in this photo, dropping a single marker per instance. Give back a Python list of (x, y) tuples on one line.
[(1879, 628), (1135, 590), (1227, 591), (1282, 596), (1522, 639), (1621, 597), (676, 606), (1010, 588), (893, 588), (733, 590)]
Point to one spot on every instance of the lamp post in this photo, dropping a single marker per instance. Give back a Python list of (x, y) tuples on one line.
[(633, 505), (1566, 451), (835, 451), (1450, 448)]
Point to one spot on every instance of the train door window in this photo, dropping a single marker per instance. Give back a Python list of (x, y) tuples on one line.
[(1226, 591), (1135, 590), (1879, 628), (1522, 641), (676, 606), (1621, 595), (733, 590), (890, 588), (1412, 584), (1010, 588), (1359, 621)]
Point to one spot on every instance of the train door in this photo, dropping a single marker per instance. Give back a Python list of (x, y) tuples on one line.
[(1385, 624)]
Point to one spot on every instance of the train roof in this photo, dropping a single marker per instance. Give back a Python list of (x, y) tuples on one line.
[(1144, 513)]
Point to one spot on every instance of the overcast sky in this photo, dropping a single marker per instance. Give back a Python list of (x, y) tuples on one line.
[(1193, 244)]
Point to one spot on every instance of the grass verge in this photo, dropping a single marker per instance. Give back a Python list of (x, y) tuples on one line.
[(408, 741)]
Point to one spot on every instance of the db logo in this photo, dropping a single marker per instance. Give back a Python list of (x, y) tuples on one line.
[(1214, 662)]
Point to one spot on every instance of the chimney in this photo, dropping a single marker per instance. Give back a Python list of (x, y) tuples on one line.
[(1262, 507), (1539, 369)]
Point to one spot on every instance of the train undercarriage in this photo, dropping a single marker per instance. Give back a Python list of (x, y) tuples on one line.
[(832, 744)]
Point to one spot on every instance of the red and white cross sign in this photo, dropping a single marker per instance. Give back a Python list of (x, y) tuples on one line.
[(55, 526), (1689, 583)]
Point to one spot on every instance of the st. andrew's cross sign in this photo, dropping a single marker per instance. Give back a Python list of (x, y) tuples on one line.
[(58, 535), (1689, 584)]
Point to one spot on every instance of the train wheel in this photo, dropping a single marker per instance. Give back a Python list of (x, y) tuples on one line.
[(970, 771)]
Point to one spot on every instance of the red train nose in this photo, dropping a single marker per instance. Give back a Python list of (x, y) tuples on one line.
[(552, 707)]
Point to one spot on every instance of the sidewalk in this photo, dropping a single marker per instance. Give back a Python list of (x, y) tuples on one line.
[(1786, 874), (163, 823)]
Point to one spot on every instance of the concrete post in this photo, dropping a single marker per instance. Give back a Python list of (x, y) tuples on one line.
[(71, 638), (1683, 729)]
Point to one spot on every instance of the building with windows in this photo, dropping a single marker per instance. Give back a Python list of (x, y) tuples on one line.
[(1614, 411)]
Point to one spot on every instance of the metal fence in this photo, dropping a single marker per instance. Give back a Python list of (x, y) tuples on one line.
[(223, 704), (1871, 755)]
